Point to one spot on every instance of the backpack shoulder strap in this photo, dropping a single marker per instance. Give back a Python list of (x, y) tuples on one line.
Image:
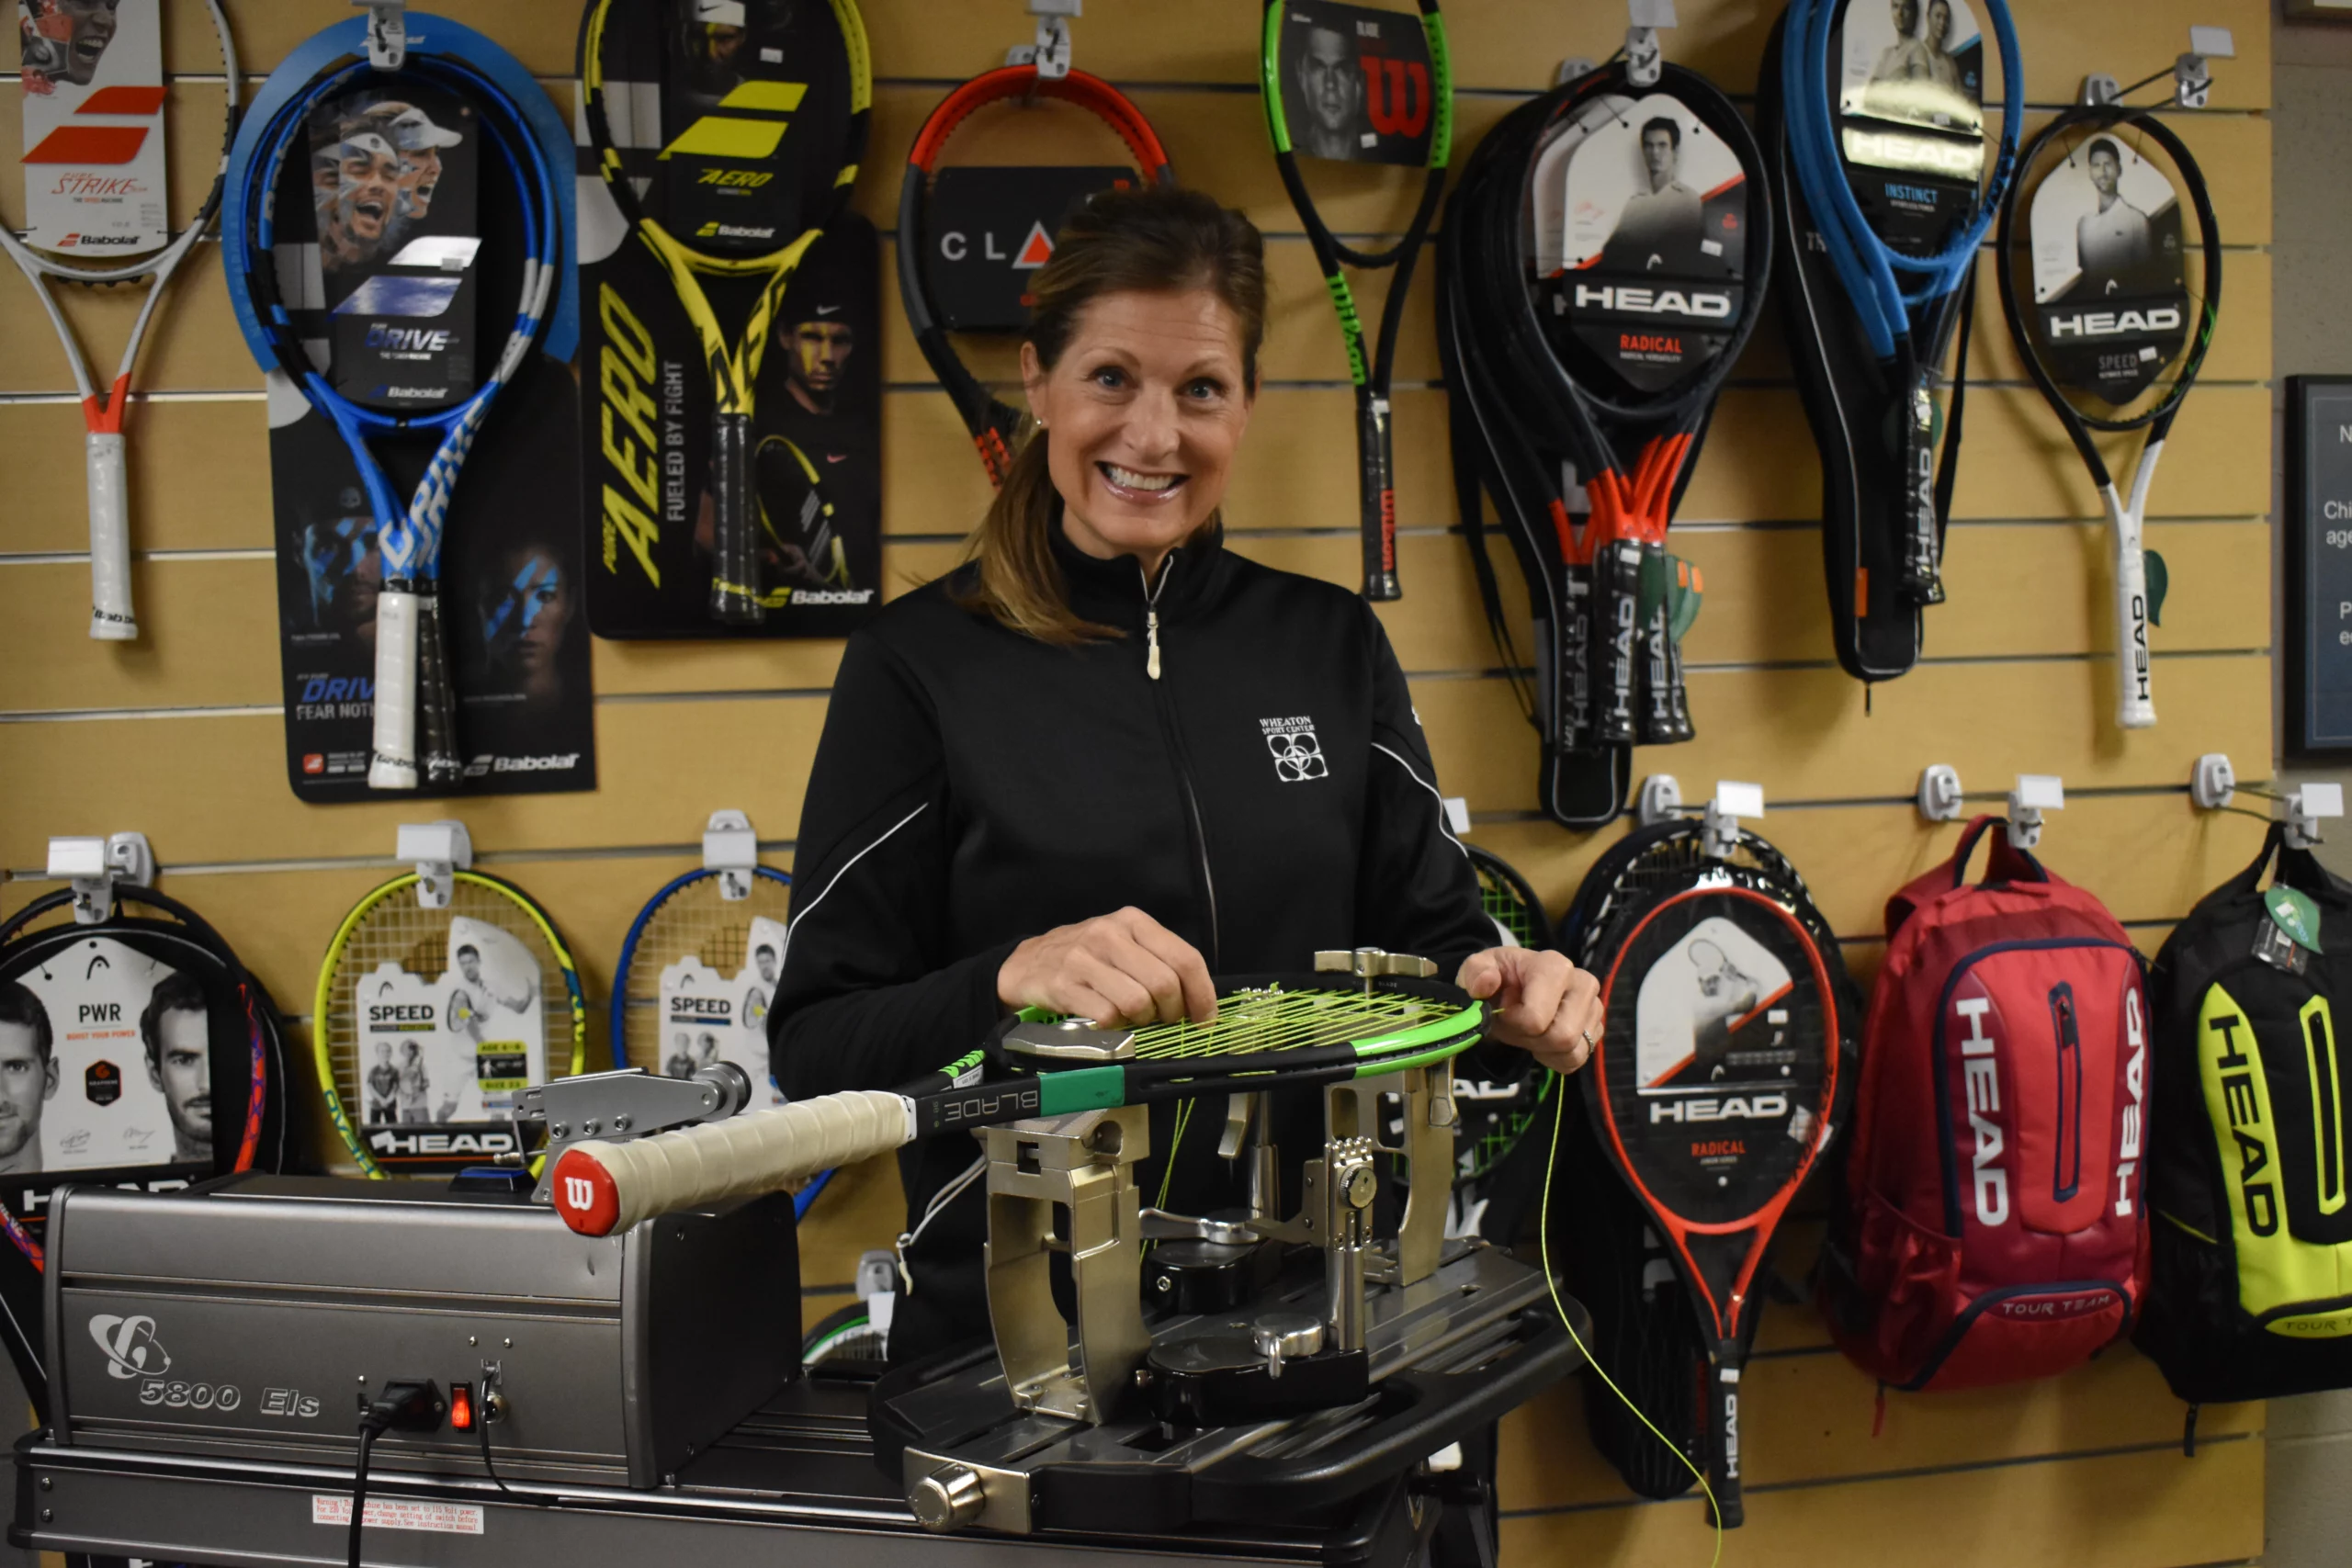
[(2007, 863)]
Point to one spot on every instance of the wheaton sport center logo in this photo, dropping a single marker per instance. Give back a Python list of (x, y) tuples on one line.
[(1299, 755)]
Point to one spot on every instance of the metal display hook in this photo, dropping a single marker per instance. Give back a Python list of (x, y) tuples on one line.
[(1661, 799), (1940, 799), (733, 850), (96, 866), (438, 850), (2213, 785), (1051, 53), (1645, 59), (386, 32), (2192, 76)]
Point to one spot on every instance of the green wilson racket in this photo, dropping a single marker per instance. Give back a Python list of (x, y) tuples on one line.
[(1353, 85), (1495, 1116), (1270, 1032), (434, 1021)]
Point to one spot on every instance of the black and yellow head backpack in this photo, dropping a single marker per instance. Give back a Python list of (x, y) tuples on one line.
[(2249, 1179)]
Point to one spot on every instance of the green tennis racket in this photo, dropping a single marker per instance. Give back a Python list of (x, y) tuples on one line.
[(1270, 1032)]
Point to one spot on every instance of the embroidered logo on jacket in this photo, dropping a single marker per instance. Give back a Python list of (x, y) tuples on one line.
[(1298, 756)]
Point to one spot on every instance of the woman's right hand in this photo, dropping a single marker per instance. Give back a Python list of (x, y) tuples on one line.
[(1117, 969)]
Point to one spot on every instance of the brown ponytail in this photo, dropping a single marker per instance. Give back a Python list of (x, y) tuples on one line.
[(1148, 238)]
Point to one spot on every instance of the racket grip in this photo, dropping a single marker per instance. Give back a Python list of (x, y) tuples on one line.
[(1376, 501), (1723, 1452), (111, 619), (2135, 703), (1666, 718), (734, 543), (1573, 681), (393, 765), (436, 698), (601, 1187), (1617, 595)]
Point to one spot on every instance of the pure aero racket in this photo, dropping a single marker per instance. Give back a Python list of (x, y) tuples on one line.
[(993, 424), (444, 1015), (1598, 349), (1716, 1086), (691, 930), (1909, 128), (751, 148), (112, 618), (151, 990), (415, 737), (1269, 1033), (2126, 289), (1392, 100), (801, 529)]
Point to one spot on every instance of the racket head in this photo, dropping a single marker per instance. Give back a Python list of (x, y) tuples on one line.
[(689, 920), (385, 986), (1495, 1116), (2109, 265)]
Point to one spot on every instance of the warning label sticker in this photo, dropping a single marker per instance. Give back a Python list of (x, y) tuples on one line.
[(402, 1513)]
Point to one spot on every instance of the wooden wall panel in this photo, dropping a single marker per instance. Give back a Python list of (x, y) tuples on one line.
[(177, 734)]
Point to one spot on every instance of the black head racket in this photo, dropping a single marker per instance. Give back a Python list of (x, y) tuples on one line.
[(994, 425), (2110, 226)]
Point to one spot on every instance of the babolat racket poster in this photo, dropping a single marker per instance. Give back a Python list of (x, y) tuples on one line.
[(93, 78), (708, 1017), (2110, 286), (731, 431), (456, 1048), (1356, 84), (1642, 225), (1911, 111)]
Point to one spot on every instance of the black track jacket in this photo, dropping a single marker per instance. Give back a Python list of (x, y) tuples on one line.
[(1270, 794)]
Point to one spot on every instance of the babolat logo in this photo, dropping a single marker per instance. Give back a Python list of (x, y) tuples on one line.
[(87, 241), (1635, 302), (716, 231), (432, 394), (2114, 323), (553, 763), (422, 340), (1733, 1108)]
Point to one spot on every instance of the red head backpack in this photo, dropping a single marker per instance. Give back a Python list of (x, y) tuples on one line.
[(1991, 1226)]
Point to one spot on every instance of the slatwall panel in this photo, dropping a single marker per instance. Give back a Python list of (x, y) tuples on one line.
[(177, 734)]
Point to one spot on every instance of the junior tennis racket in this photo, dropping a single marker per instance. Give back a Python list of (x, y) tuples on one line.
[(415, 704), (752, 151), (446, 1015), (993, 424), (105, 139), (1269, 1033), (2117, 243), (1350, 83), (695, 956)]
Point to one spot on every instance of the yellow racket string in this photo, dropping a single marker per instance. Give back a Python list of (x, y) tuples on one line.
[(1254, 1020), (1552, 1284)]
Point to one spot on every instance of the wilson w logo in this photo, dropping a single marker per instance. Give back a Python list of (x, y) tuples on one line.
[(734, 136), (579, 1193), (1396, 97)]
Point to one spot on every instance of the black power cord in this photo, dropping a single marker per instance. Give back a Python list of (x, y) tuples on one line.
[(407, 1404)]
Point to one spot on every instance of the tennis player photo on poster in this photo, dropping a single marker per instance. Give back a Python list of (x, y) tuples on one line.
[(453, 1049), (1356, 84), (93, 79), (708, 1017), (104, 1064), (1921, 61), (2110, 287)]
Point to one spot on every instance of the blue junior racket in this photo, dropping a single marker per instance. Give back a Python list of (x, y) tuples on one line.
[(1904, 292), (413, 695)]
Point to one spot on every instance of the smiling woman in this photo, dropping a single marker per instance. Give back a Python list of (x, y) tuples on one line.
[(1107, 760)]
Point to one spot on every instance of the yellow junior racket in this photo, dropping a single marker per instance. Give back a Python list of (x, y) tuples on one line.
[(761, 120), (434, 1021)]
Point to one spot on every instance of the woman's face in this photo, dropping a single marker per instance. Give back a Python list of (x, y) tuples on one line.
[(1142, 415)]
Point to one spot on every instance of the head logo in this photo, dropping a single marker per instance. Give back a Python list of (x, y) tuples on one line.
[(133, 1350)]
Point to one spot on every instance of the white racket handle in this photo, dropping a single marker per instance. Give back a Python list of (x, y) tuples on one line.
[(111, 619), (2135, 703), (393, 766), (601, 1187)]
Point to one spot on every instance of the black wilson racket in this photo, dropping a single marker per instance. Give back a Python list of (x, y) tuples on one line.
[(434, 1021), (984, 266), (1605, 258), (2119, 245), (760, 131), (1716, 1086), (1270, 1032), (1355, 85)]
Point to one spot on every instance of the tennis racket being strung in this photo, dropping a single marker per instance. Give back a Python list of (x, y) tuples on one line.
[(751, 152), (1355, 85), (415, 737), (434, 1021), (54, 60), (1269, 1033), (2126, 279), (993, 424)]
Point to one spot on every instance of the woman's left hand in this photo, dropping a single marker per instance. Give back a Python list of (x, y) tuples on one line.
[(1538, 1001)]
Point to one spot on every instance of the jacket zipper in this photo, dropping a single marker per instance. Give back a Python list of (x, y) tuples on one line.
[(1151, 591)]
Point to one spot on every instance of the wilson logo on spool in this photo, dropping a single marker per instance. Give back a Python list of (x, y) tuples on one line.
[(583, 1194)]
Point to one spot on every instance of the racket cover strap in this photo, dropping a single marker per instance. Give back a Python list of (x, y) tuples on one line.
[(734, 545), (110, 615), (1617, 582), (393, 765), (1666, 712), (600, 1189)]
